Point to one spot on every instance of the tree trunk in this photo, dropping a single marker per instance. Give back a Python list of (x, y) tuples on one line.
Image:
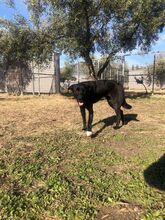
[(57, 72), (103, 67), (92, 72)]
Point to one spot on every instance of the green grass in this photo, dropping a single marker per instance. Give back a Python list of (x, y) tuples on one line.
[(61, 176), (66, 175)]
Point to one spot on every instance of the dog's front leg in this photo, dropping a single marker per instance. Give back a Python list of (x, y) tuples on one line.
[(83, 114), (90, 120)]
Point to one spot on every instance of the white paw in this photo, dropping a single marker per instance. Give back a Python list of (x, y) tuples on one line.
[(89, 133)]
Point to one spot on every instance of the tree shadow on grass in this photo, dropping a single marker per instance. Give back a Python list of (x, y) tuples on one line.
[(154, 175), (111, 120)]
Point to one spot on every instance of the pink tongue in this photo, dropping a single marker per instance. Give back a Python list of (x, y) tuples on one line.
[(80, 103)]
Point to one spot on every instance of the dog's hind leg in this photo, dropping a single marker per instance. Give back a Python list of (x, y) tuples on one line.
[(118, 117), (118, 111), (122, 117), (83, 114), (90, 120)]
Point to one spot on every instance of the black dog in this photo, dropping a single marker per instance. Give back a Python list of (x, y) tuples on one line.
[(87, 93)]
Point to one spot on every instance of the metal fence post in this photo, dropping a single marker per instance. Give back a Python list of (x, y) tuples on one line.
[(39, 90), (110, 72), (6, 89), (117, 75), (78, 72), (33, 78), (123, 69), (22, 84), (153, 75)]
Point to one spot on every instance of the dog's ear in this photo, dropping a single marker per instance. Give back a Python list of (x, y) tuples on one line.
[(70, 88)]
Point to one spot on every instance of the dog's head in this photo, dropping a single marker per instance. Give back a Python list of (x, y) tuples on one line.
[(79, 92)]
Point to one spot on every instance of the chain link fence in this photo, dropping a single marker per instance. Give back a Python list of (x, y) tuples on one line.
[(41, 84), (144, 73), (136, 72), (37, 83), (28, 80)]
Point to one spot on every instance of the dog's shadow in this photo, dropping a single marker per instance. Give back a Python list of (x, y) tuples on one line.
[(111, 120), (154, 175)]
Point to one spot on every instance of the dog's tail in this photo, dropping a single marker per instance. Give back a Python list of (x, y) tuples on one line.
[(126, 105)]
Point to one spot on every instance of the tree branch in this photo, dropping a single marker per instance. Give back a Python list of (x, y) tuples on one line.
[(101, 70)]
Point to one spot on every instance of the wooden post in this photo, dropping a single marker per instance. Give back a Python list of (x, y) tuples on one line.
[(57, 71)]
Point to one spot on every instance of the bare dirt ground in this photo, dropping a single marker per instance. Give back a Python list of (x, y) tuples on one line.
[(33, 115)]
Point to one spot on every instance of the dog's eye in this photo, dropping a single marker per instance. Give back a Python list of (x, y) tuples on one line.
[(78, 89)]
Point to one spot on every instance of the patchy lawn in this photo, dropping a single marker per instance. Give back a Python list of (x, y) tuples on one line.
[(49, 169)]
